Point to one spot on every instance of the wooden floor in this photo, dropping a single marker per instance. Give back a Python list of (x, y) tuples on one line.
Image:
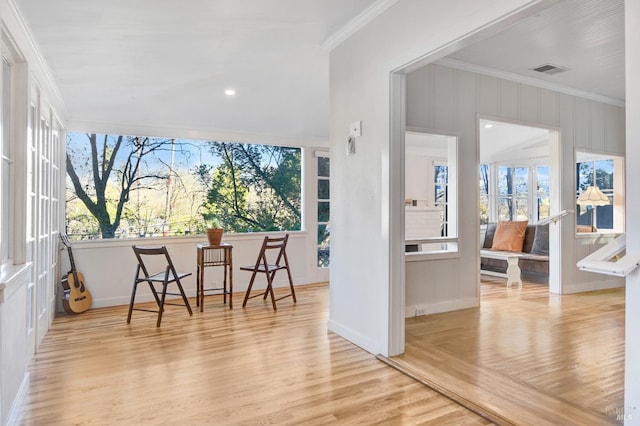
[(525, 356), (243, 367)]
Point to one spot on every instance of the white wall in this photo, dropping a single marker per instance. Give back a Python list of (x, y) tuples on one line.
[(449, 100), (367, 269), (632, 298)]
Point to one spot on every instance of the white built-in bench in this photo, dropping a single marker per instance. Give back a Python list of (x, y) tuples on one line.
[(512, 274)]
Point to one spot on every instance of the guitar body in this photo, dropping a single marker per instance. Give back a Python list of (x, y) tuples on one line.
[(78, 298), (75, 298)]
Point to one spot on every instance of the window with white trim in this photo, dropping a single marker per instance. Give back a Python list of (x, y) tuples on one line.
[(324, 217)]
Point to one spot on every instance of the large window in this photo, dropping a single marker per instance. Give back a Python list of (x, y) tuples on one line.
[(133, 186), (512, 198)]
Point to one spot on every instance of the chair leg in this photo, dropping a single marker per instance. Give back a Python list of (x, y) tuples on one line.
[(154, 292), (246, 296), (184, 298), (161, 306), (133, 297), (270, 289), (293, 292)]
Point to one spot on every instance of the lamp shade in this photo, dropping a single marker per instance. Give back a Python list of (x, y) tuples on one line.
[(593, 197)]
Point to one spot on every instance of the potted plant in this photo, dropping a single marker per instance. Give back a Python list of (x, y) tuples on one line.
[(214, 233)]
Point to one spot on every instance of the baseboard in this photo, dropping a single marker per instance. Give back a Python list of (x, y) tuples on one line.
[(436, 308), (15, 413), (354, 337), (605, 284), (145, 295)]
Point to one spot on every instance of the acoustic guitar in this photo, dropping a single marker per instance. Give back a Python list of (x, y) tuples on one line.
[(76, 298)]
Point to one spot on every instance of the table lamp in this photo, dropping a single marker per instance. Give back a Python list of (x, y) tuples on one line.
[(593, 197)]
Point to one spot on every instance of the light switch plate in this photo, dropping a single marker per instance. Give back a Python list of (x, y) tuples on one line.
[(355, 129), (351, 145)]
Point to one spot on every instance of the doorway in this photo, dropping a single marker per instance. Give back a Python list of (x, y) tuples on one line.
[(519, 174)]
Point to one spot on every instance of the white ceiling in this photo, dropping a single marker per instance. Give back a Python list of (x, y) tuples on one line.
[(166, 64), (585, 36), (501, 141)]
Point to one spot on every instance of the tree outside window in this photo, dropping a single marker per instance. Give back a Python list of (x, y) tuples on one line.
[(133, 186), (513, 190), (484, 194)]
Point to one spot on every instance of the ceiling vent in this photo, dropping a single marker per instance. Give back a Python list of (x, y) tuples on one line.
[(549, 69)]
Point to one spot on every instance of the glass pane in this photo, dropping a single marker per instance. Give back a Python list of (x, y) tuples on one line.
[(323, 211), (505, 182), (543, 208), (323, 189), (584, 175), (440, 174), (542, 175), (484, 179), (324, 239), (604, 174), (522, 209), (521, 180), (506, 208), (484, 209), (440, 195), (323, 166)]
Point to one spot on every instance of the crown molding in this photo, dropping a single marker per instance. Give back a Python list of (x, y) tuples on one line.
[(168, 131), (357, 23), (492, 72)]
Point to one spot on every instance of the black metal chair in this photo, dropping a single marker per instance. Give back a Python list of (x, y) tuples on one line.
[(262, 265), (166, 277)]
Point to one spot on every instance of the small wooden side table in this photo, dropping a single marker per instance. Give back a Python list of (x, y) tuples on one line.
[(209, 255)]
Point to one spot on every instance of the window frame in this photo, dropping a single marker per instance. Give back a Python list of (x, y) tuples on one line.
[(532, 182), (320, 155), (617, 193)]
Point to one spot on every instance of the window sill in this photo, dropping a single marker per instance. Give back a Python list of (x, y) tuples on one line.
[(603, 233), (11, 278), (448, 249), (431, 255)]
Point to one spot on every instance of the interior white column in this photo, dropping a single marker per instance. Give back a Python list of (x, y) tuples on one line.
[(631, 409)]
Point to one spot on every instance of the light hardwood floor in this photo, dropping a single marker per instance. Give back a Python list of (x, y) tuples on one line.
[(242, 367), (525, 356)]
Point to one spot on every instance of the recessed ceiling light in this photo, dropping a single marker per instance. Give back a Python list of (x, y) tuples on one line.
[(229, 92), (488, 126)]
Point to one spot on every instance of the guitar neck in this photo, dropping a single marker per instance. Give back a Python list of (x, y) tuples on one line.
[(73, 264)]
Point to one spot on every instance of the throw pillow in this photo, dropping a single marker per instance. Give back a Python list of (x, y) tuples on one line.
[(509, 235), (541, 240)]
